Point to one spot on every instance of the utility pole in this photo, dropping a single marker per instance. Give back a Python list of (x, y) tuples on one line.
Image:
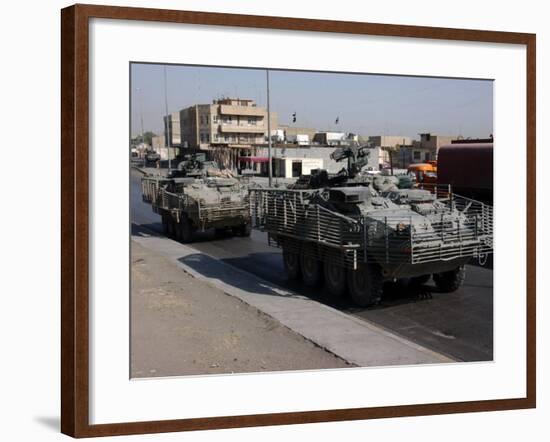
[(168, 134), (140, 105), (270, 165), (138, 90)]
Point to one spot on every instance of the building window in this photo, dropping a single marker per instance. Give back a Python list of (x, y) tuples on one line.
[(416, 155), (214, 118), (252, 121)]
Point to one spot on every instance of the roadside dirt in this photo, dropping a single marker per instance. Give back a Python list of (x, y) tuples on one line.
[(182, 326)]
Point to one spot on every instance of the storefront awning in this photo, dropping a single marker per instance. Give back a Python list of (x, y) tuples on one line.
[(254, 159)]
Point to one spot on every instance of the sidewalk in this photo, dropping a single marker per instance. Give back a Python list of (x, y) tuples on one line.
[(356, 341), (183, 326)]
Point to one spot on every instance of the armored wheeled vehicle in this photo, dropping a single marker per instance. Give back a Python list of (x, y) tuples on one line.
[(197, 166), (188, 204), (341, 230), (151, 157)]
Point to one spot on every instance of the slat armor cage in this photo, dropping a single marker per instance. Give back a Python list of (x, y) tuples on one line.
[(294, 220), (202, 212)]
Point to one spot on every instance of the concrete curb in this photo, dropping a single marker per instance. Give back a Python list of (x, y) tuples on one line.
[(356, 341)]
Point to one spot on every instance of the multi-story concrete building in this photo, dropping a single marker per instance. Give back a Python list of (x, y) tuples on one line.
[(230, 127), (157, 142), (384, 142), (410, 151), (412, 154), (172, 129), (159, 146), (227, 122), (430, 143)]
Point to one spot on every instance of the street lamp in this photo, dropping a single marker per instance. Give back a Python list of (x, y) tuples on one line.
[(270, 165), (166, 143), (140, 104)]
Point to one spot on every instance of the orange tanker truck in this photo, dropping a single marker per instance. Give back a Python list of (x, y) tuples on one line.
[(425, 173)]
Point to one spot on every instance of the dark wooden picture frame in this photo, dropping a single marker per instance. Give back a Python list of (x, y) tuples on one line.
[(75, 218)]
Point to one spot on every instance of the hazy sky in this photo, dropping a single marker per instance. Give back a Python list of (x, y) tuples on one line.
[(365, 104)]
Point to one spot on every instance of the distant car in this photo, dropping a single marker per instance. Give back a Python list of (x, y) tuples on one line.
[(152, 157), (134, 157), (424, 172)]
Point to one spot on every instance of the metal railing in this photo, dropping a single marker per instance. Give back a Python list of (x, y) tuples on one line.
[(459, 228), (289, 212), (160, 198), (149, 189)]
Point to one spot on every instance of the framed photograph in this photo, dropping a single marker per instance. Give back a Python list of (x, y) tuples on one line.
[(271, 221)]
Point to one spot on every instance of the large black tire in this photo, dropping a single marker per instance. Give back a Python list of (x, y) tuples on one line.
[(165, 225), (185, 230), (291, 262), (365, 284), (450, 281), (335, 278), (418, 281), (312, 270), (220, 232), (171, 227), (243, 230)]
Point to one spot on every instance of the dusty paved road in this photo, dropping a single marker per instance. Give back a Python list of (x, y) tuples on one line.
[(182, 326), (458, 324)]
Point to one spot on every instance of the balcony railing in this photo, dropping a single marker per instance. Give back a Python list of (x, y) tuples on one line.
[(226, 109), (242, 128)]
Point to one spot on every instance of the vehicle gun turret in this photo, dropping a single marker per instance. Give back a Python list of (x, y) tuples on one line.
[(357, 156)]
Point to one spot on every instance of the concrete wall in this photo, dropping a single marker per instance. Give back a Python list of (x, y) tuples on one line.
[(389, 140), (433, 142), (292, 131), (158, 142), (330, 138), (188, 121), (412, 155), (318, 153), (283, 167), (168, 153), (383, 141), (172, 129)]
